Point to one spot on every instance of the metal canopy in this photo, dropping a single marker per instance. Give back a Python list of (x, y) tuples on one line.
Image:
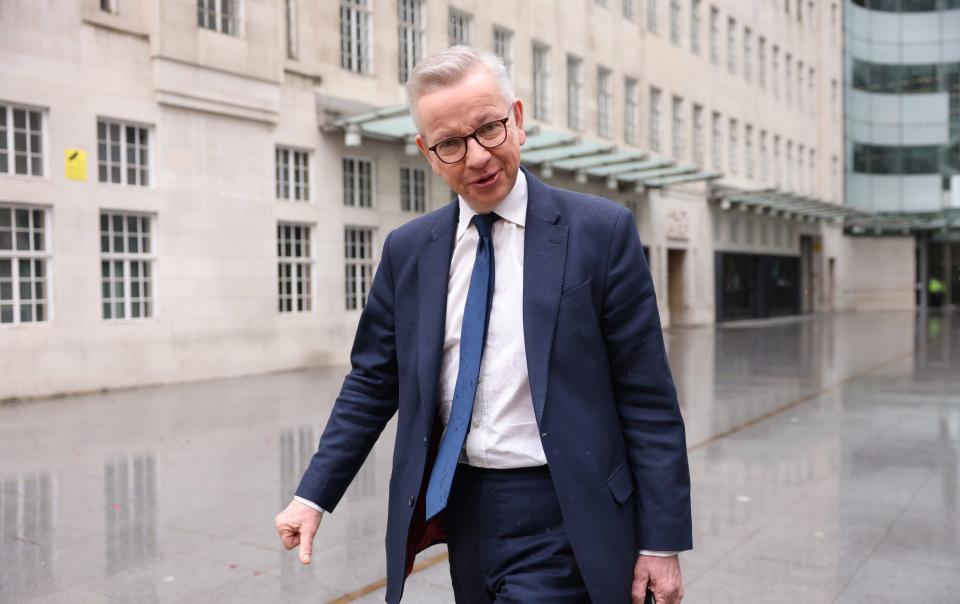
[(547, 149)]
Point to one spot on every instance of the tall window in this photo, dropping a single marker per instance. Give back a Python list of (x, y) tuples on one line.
[(788, 167), (675, 21), (628, 10), (762, 62), (676, 134), (357, 183), (604, 102), (126, 265), (293, 174), (413, 189), (223, 16), (812, 166), (834, 177), (355, 36), (801, 171), (24, 261), (716, 144), (652, 15), (775, 71), (108, 6), (733, 145), (123, 153), (358, 258), (776, 160), (696, 146), (21, 141), (503, 47), (574, 91), (714, 35), (747, 54), (695, 26), (458, 27), (631, 108), (812, 91), (654, 125), (788, 66), (800, 84), (731, 45), (748, 149), (833, 98), (764, 159), (541, 82), (294, 268), (293, 37), (411, 32)]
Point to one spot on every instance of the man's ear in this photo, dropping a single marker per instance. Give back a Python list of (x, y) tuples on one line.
[(518, 118), (426, 153)]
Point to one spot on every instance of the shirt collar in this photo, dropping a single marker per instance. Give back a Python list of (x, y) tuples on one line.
[(513, 208)]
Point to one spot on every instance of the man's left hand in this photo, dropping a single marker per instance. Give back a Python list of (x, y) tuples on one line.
[(661, 575)]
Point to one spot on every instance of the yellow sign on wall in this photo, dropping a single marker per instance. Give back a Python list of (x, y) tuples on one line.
[(76, 164)]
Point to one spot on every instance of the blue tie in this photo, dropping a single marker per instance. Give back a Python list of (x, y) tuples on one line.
[(472, 335)]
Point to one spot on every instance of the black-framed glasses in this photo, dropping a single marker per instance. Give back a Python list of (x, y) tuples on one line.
[(489, 136)]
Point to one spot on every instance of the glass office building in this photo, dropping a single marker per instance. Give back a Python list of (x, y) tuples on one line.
[(902, 125)]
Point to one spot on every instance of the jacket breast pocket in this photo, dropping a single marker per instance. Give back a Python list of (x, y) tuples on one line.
[(575, 296), (620, 482)]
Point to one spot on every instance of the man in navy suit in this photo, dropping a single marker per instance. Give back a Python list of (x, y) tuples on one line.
[(515, 334)]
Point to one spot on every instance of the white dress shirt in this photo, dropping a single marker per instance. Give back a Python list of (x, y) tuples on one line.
[(503, 431)]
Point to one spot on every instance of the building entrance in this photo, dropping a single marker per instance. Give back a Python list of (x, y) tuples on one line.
[(754, 286)]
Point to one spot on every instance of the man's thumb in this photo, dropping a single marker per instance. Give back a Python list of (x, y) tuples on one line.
[(306, 545)]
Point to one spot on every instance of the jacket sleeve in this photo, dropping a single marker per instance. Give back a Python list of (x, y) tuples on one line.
[(367, 399), (645, 395)]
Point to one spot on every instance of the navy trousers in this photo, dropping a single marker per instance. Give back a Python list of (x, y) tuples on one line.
[(506, 539)]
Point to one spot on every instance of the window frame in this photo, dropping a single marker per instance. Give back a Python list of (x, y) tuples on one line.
[(128, 258), (124, 148), (15, 256), (9, 150), (356, 300), (300, 300)]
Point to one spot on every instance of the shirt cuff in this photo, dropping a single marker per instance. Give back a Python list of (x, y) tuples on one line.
[(309, 504), (658, 554)]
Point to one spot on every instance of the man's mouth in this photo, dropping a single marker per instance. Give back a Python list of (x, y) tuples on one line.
[(486, 180)]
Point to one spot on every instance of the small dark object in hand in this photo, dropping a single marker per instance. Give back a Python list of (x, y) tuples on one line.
[(649, 599)]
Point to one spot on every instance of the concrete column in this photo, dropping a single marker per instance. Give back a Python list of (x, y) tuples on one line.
[(923, 273)]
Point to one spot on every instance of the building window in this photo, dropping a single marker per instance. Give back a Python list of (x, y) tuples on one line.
[(775, 71), (812, 91), (714, 35), (293, 38), (677, 130), (834, 177), (764, 160), (747, 56), (748, 149), (293, 174), (697, 140), (23, 265), (126, 265), (654, 125), (801, 173), (108, 6), (800, 85), (355, 49), (410, 17), (458, 28), (776, 160), (762, 62), (123, 153), (541, 82), (731, 45), (695, 26), (413, 189), (503, 47), (652, 15), (294, 268), (631, 108), (358, 257), (574, 91), (715, 141), (732, 145), (21, 141), (604, 101), (833, 98), (788, 168), (628, 10), (357, 183), (812, 167), (675, 21), (788, 66), (222, 16)]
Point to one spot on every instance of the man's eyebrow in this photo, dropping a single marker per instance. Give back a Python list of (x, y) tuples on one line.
[(486, 118)]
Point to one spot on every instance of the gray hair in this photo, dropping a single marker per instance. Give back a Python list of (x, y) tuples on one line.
[(449, 67)]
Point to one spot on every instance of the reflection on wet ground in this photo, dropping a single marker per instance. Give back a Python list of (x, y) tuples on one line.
[(824, 456)]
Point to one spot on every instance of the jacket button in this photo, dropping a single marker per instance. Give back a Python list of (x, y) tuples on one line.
[(411, 501)]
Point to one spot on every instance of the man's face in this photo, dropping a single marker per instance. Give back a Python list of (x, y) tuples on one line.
[(483, 177)]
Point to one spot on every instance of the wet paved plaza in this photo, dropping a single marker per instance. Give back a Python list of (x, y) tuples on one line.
[(824, 451)]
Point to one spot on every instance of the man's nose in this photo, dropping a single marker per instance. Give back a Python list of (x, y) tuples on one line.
[(477, 154)]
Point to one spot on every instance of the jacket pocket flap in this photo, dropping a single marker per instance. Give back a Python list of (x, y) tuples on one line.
[(621, 482)]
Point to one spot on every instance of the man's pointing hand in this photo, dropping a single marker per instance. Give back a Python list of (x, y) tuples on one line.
[(297, 525)]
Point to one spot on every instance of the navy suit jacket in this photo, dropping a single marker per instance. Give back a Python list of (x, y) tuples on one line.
[(602, 391)]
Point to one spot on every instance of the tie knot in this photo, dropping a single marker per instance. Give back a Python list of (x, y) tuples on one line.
[(484, 223)]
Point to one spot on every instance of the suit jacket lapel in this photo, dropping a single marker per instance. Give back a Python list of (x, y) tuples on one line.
[(433, 268), (544, 257)]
